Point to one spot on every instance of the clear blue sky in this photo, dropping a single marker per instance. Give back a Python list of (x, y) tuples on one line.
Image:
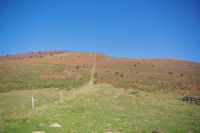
[(119, 28)]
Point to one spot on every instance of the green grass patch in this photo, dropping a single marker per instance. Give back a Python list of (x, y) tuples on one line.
[(97, 108), (20, 77)]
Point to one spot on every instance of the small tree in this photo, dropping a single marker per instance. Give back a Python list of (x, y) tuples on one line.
[(170, 73), (181, 74), (96, 75), (116, 73), (121, 75), (77, 67)]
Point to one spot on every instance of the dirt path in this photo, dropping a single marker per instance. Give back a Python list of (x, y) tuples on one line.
[(93, 71)]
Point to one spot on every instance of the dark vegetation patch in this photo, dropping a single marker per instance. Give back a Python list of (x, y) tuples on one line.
[(134, 92), (77, 67)]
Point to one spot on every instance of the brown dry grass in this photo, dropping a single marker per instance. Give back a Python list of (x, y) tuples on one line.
[(149, 74), (159, 74)]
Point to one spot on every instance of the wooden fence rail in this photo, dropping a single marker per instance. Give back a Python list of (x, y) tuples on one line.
[(191, 99)]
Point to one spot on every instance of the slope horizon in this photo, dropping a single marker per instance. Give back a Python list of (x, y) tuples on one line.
[(36, 51), (52, 67)]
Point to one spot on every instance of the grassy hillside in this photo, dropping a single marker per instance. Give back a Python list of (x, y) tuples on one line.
[(73, 69), (64, 71), (97, 108), (129, 95), (166, 75)]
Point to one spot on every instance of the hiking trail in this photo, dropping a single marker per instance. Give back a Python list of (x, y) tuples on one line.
[(93, 71)]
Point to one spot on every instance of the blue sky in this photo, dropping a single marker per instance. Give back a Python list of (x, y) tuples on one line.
[(118, 28)]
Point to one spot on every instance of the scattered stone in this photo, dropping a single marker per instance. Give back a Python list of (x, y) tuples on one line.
[(113, 132), (55, 125), (108, 125), (115, 96), (155, 132), (38, 132), (117, 119), (41, 125)]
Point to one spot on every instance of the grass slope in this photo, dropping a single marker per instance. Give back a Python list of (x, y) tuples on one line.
[(45, 72), (73, 69), (167, 75), (97, 108)]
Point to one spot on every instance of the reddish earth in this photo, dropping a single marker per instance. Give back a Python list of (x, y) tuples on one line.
[(72, 59), (158, 74), (31, 54), (171, 74)]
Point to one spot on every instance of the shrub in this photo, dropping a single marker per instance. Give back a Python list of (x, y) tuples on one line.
[(96, 75), (77, 67), (134, 92), (180, 84), (121, 75), (116, 73), (135, 65), (170, 73), (181, 74)]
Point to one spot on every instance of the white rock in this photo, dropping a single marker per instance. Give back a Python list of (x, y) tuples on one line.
[(55, 125), (38, 132)]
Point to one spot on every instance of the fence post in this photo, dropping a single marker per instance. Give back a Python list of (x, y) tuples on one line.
[(32, 102), (74, 92)]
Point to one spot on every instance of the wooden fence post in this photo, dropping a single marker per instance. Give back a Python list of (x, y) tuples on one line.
[(74, 92), (32, 102)]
